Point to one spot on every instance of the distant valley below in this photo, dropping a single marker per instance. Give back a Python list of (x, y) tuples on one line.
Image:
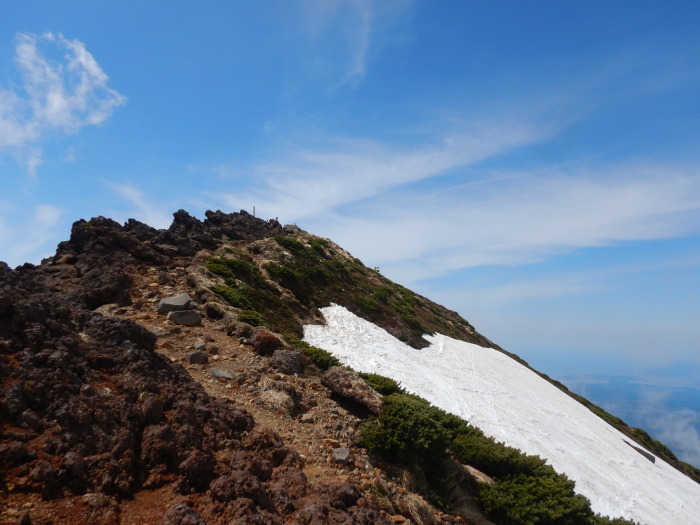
[(667, 406)]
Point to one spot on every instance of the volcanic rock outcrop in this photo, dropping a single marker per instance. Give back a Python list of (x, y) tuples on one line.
[(93, 418)]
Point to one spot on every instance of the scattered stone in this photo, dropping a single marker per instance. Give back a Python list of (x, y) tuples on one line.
[(200, 345), (240, 329), (108, 309), (174, 303), (125, 418), (160, 332), (286, 361), (278, 400), (308, 418), (477, 475), (214, 311), (185, 317), (100, 509), (343, 495), (349, 384), (198, 358), (213, 349), (341, 455), (181, 514), (220, 373)]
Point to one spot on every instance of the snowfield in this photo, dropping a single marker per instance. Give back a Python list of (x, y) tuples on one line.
[(512, 404)]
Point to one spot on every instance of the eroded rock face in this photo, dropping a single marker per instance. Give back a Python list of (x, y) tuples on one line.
[(349, 385)]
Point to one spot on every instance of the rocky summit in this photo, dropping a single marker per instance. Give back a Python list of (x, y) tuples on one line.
[(160, 377)]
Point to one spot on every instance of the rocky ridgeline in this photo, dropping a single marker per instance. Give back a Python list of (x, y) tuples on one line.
[(125, 401)]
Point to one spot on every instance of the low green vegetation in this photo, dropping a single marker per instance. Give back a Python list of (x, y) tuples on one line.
[(251, 317), (233, 296), (244, 286), (299, 279), (230, 268), (319, 357), (384, 385), (316, 275), (408, 430), (693, 470), (294, 246), (534, 500), (366, 303), (526, 490)]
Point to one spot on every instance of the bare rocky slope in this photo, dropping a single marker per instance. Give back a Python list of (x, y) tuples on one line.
[(121, 406)]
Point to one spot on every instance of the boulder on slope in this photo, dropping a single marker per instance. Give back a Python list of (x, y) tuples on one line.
[(349, 385)]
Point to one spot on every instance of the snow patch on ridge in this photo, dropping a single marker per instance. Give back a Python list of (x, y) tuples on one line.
[(512, 404)]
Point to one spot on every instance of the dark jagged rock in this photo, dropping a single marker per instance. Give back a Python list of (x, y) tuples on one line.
[(101, 237), (89, 410)]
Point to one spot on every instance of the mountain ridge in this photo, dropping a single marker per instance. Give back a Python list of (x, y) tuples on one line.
[(104, 280)]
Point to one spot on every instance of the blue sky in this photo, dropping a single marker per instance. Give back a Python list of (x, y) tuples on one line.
[(532, 165)]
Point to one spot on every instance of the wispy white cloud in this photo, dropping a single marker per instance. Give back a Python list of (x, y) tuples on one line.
[(149, 211), (306, 182), (360, 36), (525, 218), (357, 23), (55, 95), (374, 199)]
